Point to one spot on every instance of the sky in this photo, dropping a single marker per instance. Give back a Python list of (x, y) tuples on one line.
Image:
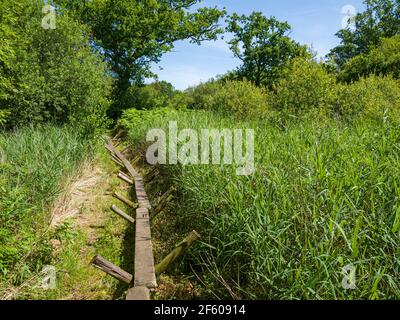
[(314, 22)]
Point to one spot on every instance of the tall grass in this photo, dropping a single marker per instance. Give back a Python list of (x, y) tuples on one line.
[(34, 163), (324, 196)]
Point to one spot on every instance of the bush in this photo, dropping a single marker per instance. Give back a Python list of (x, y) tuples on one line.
[(132, 119), (160, 94), (305, 86), (202, 96), (241, 98), (57, 77), (373, 97)]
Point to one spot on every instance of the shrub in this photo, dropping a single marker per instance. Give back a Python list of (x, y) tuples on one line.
[(373, 97), (160, 94), (241, 98), (132, 119), (202, 96), (305, 86)]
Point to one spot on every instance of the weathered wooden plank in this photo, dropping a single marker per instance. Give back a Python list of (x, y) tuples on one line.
[(138, 293), (141, 194), (126, 163), (178, 251), (122, 214), (144, 260), (144, 276), (111, 269)]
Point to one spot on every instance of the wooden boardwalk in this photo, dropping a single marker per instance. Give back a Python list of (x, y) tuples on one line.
[(145, 271)]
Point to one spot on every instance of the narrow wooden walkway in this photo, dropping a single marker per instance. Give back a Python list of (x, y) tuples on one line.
[(145, 271), (144, 277)]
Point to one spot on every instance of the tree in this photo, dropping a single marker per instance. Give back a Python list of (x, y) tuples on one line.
[(263, 45), (54, 76), (381, 19), (382, 60), (135, 33)]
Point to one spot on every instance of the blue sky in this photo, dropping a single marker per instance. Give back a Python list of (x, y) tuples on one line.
[(313, 22)]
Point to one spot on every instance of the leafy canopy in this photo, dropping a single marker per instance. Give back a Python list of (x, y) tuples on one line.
[(382, 60), (381, 19), (134, 33), (263, 45), (51, 75)]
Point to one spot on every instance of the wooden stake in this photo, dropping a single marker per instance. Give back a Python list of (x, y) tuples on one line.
[(118, 135), (166, 197), (111, 269), (151, 175), (110, 149), (122, 214), (125, 200), (161, 206), (118, 162), (124, 177), (178, 251)]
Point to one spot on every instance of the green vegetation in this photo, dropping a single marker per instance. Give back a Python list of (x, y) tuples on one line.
[(133, 34), (53, 75), (382, 60), (325, 195), (241, 98), (379, 20), (28, 189)]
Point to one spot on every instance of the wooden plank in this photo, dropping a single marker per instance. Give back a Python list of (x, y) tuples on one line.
[(144, 260), (126, 163), (111, 269), (122, 214), (138, 293), (141, 194), (144, 277), (118, 162)]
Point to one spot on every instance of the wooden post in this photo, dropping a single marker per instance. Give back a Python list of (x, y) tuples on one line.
[(117, 162), (151, 175), (178, 251), (136, 159), (125, 200), (118, 135), (124, 177), (111, 269), (161, 206), (122, 214), (110, 149)]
